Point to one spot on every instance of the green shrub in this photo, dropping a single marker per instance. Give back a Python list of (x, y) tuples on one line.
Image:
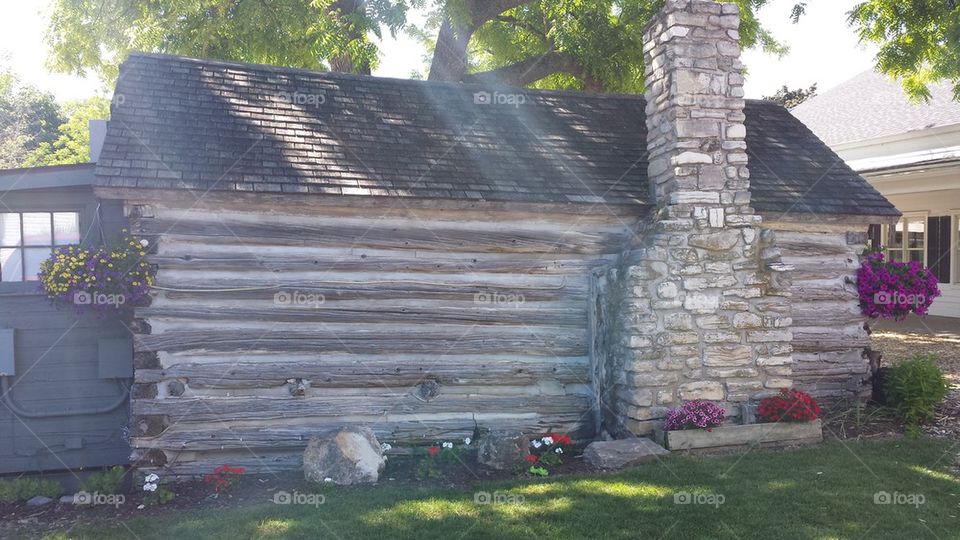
[(915, 387), (22, 489), (106, 482)]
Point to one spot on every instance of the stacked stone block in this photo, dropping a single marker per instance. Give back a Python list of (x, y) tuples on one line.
[(703, 307)]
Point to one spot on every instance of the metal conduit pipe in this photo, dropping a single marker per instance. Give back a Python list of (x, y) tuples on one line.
[(24, 413)]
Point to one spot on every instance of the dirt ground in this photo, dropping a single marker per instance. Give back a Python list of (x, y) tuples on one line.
[(938, 336)]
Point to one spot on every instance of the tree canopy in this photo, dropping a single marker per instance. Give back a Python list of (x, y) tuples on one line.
[(588, 44), (28, 118), (72, 144), (919, 41), (593, 44)]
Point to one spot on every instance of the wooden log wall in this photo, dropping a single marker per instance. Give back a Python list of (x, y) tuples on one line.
[(272, 323), (829, 336)]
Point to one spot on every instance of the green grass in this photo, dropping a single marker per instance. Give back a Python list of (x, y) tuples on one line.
[(823, 492)]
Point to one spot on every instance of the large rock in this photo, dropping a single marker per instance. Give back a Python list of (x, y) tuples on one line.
[(350, 456), (502, 450), (622, 453)]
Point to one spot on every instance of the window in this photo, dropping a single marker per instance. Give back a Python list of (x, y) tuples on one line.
[(932, 241), (28, 238), (906, 241)]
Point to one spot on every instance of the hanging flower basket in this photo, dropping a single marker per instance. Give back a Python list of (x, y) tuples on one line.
[(108, 280), (893, 290)]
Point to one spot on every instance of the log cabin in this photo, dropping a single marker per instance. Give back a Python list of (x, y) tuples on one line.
[(430, 259)]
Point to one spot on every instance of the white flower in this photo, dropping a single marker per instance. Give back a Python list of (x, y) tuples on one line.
[(385, 446), (548, 441), (558, 450), (467, 440), (535, 443), (144, 242), (328, 479), (149, 487), (151, 478), (448, 445)]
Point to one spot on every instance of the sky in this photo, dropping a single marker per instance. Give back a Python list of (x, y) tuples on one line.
[(823, 50)]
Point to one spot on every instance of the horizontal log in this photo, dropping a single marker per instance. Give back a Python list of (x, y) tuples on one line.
[(826, 289), (826, 313), (412, 207), (822, 339), (370, 339), (396, 432), (360, 262), (360, 312), (369, 372), (412, 237), (380, 404)]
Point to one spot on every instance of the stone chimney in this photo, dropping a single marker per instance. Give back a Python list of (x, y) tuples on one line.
[(701, 313)]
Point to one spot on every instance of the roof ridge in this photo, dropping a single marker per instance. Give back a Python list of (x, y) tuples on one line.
[(250, 66)]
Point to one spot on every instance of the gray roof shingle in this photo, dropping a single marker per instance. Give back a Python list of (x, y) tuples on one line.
[(872, 105), (211, 125)]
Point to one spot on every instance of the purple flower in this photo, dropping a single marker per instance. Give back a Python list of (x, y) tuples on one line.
[(694, 414)]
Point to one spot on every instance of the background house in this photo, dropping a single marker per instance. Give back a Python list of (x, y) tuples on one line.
[(911, 153), (64, 379)]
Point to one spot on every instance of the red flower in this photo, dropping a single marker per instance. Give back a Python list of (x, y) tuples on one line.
[(560, 438), (790, 405), (531, 458), (433, 450)]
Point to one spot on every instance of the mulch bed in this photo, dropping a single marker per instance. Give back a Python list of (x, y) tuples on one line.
[(899, 346)]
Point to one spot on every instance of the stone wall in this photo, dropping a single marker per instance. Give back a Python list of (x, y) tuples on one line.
[(702, 306)]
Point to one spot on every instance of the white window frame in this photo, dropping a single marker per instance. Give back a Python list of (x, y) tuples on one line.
[(904, 249), (22, 247)]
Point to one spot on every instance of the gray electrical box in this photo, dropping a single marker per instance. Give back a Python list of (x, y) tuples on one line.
[(115, 358), (7, 364)]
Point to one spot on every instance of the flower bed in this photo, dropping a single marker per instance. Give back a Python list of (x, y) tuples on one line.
[(792, 418), (772, 434)]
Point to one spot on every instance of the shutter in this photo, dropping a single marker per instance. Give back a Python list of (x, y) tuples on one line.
[(7, 364), (938, 247), (874, 237)]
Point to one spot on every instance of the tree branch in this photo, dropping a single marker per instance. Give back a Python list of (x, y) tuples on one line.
[(532, 70), (450, 55)]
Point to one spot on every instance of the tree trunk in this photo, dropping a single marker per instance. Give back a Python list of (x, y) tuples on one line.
[(343, 63), (450, 56)]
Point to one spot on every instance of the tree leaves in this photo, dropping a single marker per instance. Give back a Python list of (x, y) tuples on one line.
[(919, 41)]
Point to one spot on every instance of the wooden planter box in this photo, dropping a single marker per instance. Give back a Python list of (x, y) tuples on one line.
[(773, 434)]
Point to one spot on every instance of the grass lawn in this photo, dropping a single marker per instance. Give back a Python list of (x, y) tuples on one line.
[(823, 492)]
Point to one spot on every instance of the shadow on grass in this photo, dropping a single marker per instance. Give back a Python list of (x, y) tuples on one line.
[(827, 492)]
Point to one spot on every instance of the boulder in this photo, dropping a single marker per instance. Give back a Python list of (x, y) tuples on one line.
[(502, 450), (39, 500), (349, 456), (622, 453)]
